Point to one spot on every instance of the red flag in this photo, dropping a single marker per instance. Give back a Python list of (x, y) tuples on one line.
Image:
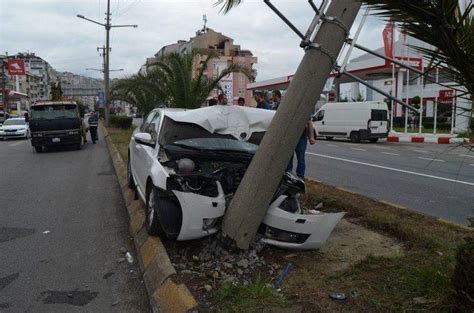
[(16, 67), (388, 40)]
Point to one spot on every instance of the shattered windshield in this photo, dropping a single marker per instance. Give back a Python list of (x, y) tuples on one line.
[(218, 144)]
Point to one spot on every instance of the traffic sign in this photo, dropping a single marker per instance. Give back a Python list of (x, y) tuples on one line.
[(16, 67), (101, 97)]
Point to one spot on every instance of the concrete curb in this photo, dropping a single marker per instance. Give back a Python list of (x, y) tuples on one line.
[(164, 293)]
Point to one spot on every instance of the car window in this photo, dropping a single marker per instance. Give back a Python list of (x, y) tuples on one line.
[(154, 126), (319, 115), (146, 122), (379, 115)]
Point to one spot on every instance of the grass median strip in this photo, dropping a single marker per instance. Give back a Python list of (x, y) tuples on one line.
[(385, 259)]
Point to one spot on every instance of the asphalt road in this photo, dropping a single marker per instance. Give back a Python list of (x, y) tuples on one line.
[(436, 180), (62, 227)]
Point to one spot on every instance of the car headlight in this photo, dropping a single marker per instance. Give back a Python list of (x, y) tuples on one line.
[(22, 130)]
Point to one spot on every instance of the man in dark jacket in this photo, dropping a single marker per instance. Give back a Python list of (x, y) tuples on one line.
[(93, 124)]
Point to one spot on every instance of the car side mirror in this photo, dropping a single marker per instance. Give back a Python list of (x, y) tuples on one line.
[(144, 139)]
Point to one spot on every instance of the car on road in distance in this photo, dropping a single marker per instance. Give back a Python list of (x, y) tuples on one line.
[(14, 128), (55, 123), (187, 165), (353, 120)]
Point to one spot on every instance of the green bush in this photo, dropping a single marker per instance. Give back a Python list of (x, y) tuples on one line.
[(121, 121), (463, 277)]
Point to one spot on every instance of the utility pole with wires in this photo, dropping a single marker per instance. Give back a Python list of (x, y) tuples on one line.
[(102, 54), (107, 25)]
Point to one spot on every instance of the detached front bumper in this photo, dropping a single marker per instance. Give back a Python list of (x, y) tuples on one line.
[(200, 213), (297, 231)]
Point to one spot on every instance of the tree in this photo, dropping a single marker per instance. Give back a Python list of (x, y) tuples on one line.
[(441, 24), (250, 203), (171, 80)]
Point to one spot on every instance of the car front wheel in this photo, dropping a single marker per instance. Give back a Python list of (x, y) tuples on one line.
[(152, 224)]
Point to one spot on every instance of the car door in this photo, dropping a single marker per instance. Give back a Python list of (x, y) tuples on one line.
[(378, 123), (138, 154)]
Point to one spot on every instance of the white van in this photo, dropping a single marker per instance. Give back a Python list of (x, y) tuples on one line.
[(354, 120)]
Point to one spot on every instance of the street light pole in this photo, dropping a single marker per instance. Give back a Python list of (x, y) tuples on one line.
[(107, 26), (106, 64)]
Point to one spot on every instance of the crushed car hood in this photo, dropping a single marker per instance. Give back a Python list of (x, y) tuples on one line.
[(238, 122)]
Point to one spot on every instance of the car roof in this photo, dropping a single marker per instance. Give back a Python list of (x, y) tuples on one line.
[(16, 118), (169, 110)]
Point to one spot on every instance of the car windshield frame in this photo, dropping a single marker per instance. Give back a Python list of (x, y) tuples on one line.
[(217, 144), (14, 123)]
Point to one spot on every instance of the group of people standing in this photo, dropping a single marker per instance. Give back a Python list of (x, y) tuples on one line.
[(308, 135)]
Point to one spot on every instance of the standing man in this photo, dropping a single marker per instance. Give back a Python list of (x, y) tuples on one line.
[(300, 150), (276, 95), (222, 99), (93, 124), (261, 103)]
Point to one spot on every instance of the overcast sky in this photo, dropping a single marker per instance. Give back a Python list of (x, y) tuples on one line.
[(51, 29)]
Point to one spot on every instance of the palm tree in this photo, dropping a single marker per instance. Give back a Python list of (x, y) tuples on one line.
[(137, 90), (172, 80), (441, 24)]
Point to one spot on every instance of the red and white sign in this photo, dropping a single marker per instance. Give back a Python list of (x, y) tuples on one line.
[(445, 94), (16, 67), (412, 62), (388, 40)]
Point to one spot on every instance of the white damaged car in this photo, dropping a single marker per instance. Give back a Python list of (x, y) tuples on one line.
[(187, 165)]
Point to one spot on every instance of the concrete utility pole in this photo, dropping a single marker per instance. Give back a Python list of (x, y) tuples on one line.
[(251, 201), (107, 26)]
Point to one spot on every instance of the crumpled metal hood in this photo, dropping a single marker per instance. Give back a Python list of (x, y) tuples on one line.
[(239, 122)]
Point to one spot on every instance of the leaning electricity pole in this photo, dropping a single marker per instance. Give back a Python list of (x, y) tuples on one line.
[(251, 201), (107, 26)]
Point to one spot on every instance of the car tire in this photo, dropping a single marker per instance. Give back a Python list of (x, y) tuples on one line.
[(374, 140), (355, 137), (130, 180), (39, 149), (152, 224), (329, 138)]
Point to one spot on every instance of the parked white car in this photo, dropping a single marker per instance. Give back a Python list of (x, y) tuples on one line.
[(187, 165), (353, 120), (14, 128)]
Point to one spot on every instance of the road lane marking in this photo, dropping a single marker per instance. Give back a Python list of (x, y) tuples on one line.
[(392, 169), (390, 153), (16, 143), (329, 145), (420, 151), (430, 159), (358, 149), (471, 164), (466, 156)]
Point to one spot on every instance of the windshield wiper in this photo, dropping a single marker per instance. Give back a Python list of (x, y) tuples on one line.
[(186, 147)]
